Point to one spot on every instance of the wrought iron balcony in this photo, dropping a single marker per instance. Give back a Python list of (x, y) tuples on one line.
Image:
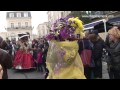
[(11, 28)]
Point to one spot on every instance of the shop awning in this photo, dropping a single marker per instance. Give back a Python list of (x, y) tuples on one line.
[(98, 25), (116, 19), (91, 25)]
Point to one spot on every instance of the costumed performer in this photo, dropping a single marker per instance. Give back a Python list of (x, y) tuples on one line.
[(63, 60), (23, 57)]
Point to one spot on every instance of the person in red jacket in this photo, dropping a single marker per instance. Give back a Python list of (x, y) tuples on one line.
[(39, 60)]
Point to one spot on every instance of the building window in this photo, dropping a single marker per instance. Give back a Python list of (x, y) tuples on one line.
[(12, 25), (43, 27), (26, 24), (62, 14), (12, 36), (11, 15), (25, 14), (18, 14), (19, 24)]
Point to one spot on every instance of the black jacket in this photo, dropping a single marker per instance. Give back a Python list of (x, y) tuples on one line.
[(98, 49), (44, 53), (115, 53), (6, 62)]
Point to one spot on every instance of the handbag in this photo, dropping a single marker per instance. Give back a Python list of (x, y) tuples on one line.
[(86, 56)]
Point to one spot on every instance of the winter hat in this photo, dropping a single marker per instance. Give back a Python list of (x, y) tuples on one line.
[(22, 35)]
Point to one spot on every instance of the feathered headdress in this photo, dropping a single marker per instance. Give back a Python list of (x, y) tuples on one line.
[(66, 29)]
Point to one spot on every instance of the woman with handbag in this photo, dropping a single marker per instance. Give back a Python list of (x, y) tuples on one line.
[(85, 51)]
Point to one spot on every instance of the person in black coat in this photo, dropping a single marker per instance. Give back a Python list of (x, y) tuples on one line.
[(108, 55), (114, 49), (98, 45), (44, 55), (9, 47), (6, 62), (34, 47)]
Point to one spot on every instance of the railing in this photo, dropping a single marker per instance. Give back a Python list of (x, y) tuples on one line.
[(11, 28)]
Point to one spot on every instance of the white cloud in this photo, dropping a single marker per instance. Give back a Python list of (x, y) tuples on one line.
[(37, 18)]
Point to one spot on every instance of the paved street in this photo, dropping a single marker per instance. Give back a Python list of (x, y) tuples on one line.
[(25, 74), (33, 74), (104, 71)]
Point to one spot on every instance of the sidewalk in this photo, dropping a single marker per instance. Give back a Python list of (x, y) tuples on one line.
[(104, 71)]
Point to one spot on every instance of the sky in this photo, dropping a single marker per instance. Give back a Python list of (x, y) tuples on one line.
[(38, 17)]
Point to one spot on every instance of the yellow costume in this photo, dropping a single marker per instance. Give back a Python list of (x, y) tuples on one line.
[(63, 60), (78, 25)]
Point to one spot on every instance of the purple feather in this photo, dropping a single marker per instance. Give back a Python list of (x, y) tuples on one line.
[(50, 36), (64, 33), (68, 17)]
